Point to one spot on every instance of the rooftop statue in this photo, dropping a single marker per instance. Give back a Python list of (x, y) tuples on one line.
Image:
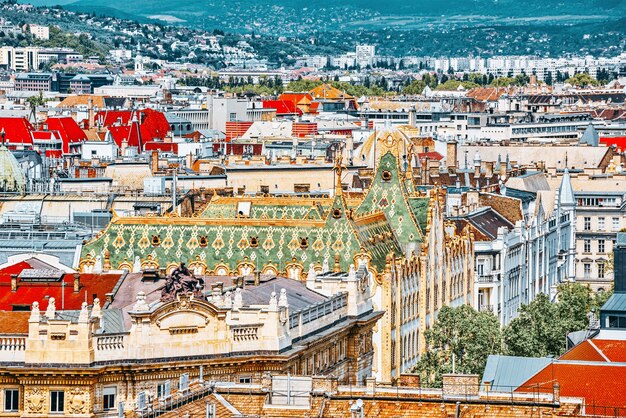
[(182, 281)]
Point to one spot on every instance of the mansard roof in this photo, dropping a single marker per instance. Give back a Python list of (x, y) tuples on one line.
[(277, 232), (226, 240)]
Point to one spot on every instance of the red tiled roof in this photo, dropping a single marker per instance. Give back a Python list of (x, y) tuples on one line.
[(432, 155), (303, 98), (600, 384), (129, 133), (282, 107), (161, 146), (68, 130), (17, 130), (152, 125), (29, 292), (614, 350), (482, 94), (584, 351), (45, 136)]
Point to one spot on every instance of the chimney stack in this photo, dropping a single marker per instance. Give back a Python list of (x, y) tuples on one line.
[(76, 282), (92, 119), (503, 169), (155, 161), (489, 169), (451, 157)]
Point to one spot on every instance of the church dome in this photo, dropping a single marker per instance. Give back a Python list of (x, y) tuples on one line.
[(12, 178)]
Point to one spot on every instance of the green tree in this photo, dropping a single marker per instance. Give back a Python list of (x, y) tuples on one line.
[(542, 326), (34, 102), (414, 87), (302, 85), (502, 82), (582, 80), (463, 333), (454, 84)]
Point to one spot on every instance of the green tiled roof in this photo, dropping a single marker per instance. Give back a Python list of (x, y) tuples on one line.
[(231, 239), (388, 193), (277, 230), (227, 208)]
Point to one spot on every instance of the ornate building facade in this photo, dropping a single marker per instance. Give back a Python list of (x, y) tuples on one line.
[(417, 262), (94, 361)]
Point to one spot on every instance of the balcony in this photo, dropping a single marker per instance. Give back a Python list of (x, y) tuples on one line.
[(485, 308), (493, 277)]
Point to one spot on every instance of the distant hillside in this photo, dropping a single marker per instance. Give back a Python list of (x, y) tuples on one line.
[(396, 27), (195, 10)]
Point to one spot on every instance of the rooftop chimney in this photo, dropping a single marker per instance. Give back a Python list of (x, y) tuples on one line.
[(451, 158), (155, 161), (76, 282)]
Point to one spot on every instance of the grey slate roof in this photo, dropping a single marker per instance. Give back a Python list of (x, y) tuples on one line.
[(298, 295), (112, 320), (507, 373)]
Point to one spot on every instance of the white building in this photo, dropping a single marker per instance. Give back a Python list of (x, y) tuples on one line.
[(515, 262), (39, 31), (365, 55)]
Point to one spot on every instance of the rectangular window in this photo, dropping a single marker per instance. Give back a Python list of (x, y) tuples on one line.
[(587, 270), (57, 401), (480, 269), (245, 380), (108, 397), (600, 270), (587, 246), (163, 390), (233, 117), (601, 224), (587, 223), (601, 246), (11, 400), (615, 224)]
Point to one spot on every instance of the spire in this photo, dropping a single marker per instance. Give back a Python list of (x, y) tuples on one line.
[(566, 191), (338, 170)]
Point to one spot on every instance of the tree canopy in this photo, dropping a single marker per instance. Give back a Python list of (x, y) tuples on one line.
[(582, 80), (542, 326), (470, 335)]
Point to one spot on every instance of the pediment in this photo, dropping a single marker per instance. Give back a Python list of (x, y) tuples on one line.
[(185, 314)]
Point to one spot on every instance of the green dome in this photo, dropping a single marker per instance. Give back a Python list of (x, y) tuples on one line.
[(12, 178)]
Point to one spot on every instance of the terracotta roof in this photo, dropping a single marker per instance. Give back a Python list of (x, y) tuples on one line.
[(584, 351), (14, 322), (17, 130), (614, 350), (328, 92), (597, 383), (482, 94), (83, 100)]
